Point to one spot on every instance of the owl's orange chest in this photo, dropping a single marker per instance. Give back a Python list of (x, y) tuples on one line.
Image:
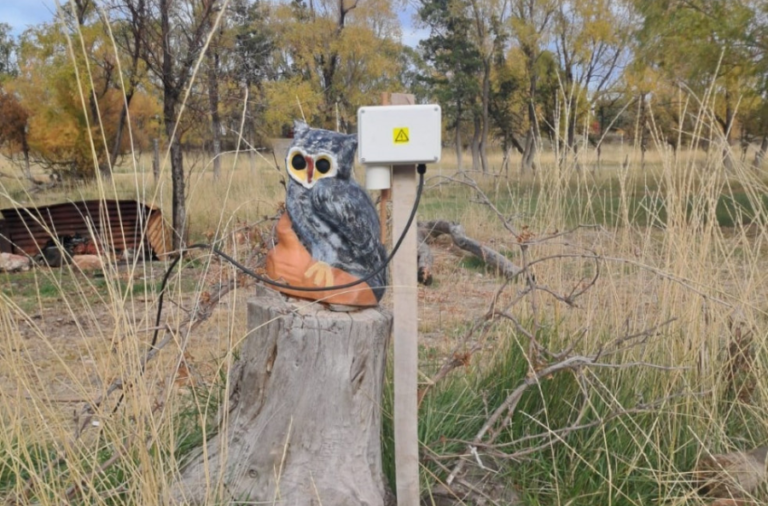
[(290, 262)]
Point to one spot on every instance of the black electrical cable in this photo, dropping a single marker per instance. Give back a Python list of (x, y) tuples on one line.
[(421, 169)]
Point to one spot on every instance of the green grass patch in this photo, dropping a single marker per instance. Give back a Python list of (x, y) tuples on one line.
[(602, 203), (45, 285), (193, 423), (637, 458)]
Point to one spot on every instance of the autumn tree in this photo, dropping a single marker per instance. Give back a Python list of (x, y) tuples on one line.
[(756, 40), (248, 67), (70, 84), (330, 58), (7, 52), (530, 22), (507, 108), (13, 129), (591, 43), (174, 34), (455, 61), (488, 20), (79, 19), (700, 46), (125, 28), (47, 87)]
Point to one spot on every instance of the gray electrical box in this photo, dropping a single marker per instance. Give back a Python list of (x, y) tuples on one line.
[(401, 134)]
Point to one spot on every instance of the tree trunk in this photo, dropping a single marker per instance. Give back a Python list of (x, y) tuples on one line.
[(492, 258), (570, 134), (505, 161), (641, 126), (251, 147), (457, 142), (178, 200), (132, 81), (213, 103), (178, 207), (486, 100), (25, 149), (120, 127), (526, 165), (171, 93), (303, 421), (156, 159), (475, 147), (760, 155), (599, 150)]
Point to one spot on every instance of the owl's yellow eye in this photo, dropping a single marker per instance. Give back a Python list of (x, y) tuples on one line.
[(298, 162), (323, 165)]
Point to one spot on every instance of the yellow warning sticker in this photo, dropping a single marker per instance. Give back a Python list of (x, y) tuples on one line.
[(400, 135)]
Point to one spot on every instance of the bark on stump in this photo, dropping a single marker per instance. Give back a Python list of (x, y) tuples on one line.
[(303, 422)]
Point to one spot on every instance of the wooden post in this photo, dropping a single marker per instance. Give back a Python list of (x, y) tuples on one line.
[(405, 336), (404, 272), (386, 193), (303, 422)]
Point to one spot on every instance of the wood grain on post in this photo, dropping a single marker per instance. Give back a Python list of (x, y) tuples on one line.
[(406, 363), (405, 337)]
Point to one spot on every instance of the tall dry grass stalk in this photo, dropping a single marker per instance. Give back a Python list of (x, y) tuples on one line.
[(658, 229), (679, 237)]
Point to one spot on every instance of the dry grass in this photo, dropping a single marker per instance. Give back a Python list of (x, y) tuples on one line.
[(670, 246), (61, 351)]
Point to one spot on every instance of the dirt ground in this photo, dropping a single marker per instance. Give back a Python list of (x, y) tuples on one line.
[(68, 341)]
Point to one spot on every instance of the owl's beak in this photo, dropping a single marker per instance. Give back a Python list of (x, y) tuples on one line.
[(310, 168)]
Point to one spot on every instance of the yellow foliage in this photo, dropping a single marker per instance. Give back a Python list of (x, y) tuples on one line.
[(288, 100), (331, 69), (74, 108)]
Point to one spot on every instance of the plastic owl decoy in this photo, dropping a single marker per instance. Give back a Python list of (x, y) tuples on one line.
[(329, 234)]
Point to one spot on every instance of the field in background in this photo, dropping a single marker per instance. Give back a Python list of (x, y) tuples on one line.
[(682, 263)]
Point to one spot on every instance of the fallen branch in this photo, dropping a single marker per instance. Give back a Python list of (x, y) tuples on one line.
[(492, 258), (424, 258), (495, 423), (468, 181)]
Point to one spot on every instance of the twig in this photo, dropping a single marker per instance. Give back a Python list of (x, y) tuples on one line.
[(464, 483), (510, 403), (681, 281), (615, 346), (454, 359), (468, 181), (491, 257)]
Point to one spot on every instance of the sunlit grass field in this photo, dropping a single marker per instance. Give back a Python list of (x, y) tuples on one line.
[(681, 243)]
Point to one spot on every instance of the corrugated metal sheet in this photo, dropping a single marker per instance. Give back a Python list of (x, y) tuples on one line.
[(115, 225)]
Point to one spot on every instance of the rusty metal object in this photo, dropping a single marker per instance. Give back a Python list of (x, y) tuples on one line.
[(120, 227)]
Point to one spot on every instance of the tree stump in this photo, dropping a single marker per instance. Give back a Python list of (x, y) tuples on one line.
[(303, 422)]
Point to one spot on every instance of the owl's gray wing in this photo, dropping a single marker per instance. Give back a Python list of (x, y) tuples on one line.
[(346, 209)]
